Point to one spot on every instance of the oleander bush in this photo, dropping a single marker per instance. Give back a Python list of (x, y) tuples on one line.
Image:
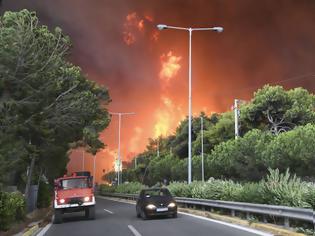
[(131, 188), (12, 209), (276, 189), (284, 189)]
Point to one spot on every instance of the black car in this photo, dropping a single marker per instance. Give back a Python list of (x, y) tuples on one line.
[(156, 202)]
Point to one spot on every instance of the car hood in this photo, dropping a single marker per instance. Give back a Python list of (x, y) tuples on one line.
[(159, 201), (71, 193)]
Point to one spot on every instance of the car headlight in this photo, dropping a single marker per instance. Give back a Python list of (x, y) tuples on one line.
[(86, 199), (150, 207), (62, 201), (172, 204)]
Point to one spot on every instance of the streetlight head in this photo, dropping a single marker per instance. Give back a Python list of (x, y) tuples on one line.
[(218, 29), (161, 27)]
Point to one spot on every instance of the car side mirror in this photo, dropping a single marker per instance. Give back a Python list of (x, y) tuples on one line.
[(90, 182)]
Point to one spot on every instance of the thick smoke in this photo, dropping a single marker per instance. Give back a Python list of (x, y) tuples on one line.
[(263, 42)]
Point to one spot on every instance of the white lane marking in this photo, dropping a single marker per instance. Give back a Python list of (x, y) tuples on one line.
[(110, 212), (116, 200), (44, 230), (134, 231), (228, 224)]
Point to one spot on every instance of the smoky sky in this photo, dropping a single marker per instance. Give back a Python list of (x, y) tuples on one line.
[(263, 42)]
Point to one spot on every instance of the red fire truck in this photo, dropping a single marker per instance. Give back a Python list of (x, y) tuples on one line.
[(74, 193)]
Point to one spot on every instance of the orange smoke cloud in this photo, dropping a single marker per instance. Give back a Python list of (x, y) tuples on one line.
[(170, 66), (134, 144)]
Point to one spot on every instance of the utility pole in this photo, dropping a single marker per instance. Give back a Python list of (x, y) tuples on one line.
[(120, 114), (158, 147), (94, 165), (236, 117), (202, 157), (83, 157), (135, 162)]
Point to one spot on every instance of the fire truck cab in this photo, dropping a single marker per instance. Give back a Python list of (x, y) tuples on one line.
[(74, 193)]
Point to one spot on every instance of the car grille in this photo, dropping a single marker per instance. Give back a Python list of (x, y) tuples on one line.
[(76, 201)]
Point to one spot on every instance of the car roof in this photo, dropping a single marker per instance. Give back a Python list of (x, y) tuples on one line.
[(154, 189), (72, 177)]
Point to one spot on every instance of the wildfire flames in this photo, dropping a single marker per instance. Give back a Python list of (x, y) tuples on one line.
[(168, 114), (134, 28), (170, 66)]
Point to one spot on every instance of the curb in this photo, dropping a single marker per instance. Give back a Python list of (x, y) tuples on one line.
[(32, 231)]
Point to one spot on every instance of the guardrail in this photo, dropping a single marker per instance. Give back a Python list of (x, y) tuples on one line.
[(288, 213)]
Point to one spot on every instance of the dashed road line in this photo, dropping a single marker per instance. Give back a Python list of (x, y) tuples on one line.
[(110, 212), (134, 231)]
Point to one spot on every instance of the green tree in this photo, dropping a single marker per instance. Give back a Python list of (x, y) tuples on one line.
[(293, 150), (47, 105)]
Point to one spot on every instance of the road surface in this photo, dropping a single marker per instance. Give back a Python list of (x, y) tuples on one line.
[(118, 218)]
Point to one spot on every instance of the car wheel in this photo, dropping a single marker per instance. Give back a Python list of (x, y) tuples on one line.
[(138, 214), (90, 213), (143, 215), (174, 215), (57, 216)]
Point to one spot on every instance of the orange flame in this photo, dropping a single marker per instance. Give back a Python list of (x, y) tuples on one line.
[(170, 66), (155, 36), (167, 117), (132, 25)]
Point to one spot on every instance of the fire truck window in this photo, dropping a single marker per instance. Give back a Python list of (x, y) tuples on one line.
[(74, 183)]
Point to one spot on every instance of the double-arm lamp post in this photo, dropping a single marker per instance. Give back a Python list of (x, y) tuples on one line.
[(190, 30), (120, 114)]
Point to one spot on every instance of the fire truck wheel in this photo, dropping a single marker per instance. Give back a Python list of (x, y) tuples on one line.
[(90, 212), (57, 216)]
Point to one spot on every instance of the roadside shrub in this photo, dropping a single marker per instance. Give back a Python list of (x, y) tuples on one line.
[(277, 189), (225, 190), (44, 195), (284, 189), (180, 189), (12, 209), (251, 192), (107, 188), (132, 188), (310, 195)]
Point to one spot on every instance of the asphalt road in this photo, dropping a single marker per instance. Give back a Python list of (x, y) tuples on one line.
[(117, 218)]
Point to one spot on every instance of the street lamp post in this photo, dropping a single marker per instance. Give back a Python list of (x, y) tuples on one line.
[(94, 166), (202, 158), (120, 114), (83, 160), (190, 30)]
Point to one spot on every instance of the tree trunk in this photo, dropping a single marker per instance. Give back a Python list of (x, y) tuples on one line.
[(29, 180)]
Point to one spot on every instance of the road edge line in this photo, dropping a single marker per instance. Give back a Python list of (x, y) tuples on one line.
[(229, 224), (44, 230)]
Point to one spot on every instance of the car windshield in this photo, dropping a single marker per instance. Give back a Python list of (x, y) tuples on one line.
[(74, 183), (156, 192)]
